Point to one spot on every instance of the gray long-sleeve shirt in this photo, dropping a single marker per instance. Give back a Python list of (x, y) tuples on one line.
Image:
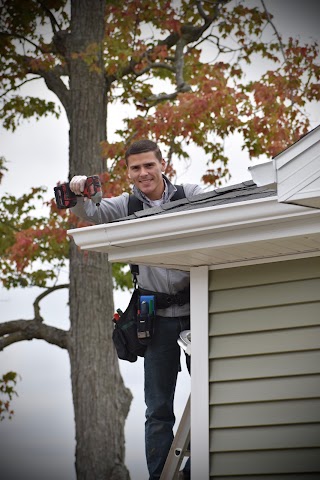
[(156, 279)]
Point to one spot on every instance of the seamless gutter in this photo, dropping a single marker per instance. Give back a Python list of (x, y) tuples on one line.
[(192, 223)]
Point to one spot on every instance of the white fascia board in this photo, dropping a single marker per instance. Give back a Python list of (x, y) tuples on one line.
[(244, 222), (297, 148), (298, 171)]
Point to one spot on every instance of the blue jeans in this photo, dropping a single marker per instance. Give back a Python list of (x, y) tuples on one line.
[(161, 367)]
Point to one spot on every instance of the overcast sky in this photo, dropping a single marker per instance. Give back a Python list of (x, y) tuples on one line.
[(39, 442)]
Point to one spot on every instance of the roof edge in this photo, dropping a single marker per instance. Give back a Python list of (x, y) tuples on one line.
[(121, 236)]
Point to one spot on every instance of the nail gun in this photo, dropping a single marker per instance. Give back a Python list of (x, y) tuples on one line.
[(65, 198)]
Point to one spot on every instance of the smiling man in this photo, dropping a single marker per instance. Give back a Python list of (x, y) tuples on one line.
[(145, 168)]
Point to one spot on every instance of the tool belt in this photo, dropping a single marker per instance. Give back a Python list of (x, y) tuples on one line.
[(165, 300), (125, 336), (133, 331)]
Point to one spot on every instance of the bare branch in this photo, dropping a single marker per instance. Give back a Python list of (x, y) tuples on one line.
[(56, 85), (275, 30), (161, 97), (12, 338), (19, 330), (202, 13), (155, 65), (170, 41), (179, 63), (54, 24), (16, 87), (170, 154), (36, 306), (21, 37)]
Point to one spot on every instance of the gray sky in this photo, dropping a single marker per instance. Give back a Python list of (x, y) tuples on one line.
[(39, 442)]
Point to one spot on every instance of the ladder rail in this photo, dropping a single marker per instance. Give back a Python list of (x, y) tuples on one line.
[(180, 444), (179, 447)]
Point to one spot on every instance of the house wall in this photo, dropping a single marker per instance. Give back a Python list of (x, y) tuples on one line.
[(264, 371)]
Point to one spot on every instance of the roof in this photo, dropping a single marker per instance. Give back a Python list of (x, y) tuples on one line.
[(225, 227), (240, 192)]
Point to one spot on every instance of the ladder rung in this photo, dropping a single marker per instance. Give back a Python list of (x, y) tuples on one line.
[(184, 453)]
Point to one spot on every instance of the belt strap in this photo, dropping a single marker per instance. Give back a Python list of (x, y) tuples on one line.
[(165, 300)]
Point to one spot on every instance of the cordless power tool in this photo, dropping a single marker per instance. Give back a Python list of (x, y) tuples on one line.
[(65, 198)]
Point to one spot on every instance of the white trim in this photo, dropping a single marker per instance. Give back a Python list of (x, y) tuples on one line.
[(264, 174), (298, 171), (259, 261), (297, 148), (124, 240), (199, 308), (167, 240)]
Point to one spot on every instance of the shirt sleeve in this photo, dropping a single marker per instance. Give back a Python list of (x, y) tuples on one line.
[(109, 209), (192, 189)]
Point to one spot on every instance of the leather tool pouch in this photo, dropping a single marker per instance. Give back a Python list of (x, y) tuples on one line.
[(124, 335)]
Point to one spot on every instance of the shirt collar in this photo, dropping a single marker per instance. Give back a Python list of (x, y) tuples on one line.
[(169, 190)]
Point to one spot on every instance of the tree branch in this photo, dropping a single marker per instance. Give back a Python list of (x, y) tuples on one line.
[(16, 87), (60, 37), (19, 330), (56, 85), (202, 13), (52, 18), (51, 78), (154, 99), (275, 30), (36, 306), (179, 64), (21, 37), (155, 65), (189, 34)]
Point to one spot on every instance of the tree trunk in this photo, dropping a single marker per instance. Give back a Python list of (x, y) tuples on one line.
[(101, 402)]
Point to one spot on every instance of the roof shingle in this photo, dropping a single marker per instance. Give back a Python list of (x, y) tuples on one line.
[(240, 192)]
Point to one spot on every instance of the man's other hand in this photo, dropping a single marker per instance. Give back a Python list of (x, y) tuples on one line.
[(77, 184)]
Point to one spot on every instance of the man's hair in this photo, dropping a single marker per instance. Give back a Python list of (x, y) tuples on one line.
[(142, 146)]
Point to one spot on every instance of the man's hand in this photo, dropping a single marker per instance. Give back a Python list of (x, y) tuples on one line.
[(77, 184)]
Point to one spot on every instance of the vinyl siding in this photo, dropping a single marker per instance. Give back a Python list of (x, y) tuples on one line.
[(264, 371)]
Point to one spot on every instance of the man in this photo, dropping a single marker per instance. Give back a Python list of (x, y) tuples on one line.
[(145, 167)]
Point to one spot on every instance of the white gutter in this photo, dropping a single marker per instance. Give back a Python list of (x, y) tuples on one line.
[(264, 174), (142, 236)]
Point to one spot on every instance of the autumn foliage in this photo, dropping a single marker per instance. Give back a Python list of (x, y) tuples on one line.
[(34, 247), (8, 382)]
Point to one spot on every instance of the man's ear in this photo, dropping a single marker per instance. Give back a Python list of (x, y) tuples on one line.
[(163, 165)]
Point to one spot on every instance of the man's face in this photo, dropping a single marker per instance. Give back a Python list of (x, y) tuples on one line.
[(145, 171)]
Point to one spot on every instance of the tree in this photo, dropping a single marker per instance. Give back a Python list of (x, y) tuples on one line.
[(151, 56)]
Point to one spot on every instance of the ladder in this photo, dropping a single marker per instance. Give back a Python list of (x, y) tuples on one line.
[(180, 445), (179, 448)]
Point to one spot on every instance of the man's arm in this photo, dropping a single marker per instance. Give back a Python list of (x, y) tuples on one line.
[(110, 208), (192, 189)]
